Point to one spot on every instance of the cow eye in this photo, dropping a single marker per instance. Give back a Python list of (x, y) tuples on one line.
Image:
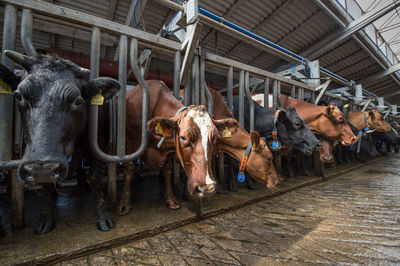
[(184, 141), (78, 101), (18, 96)]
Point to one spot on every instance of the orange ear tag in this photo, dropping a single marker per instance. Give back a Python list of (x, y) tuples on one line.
[(158, 129), (226, 133)]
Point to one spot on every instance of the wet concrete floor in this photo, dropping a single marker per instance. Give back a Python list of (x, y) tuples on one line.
[(352, 219)]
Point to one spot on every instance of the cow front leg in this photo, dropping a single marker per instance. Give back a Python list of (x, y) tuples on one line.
[(47, 209), (125, 205), (166, 172), (103, 218)]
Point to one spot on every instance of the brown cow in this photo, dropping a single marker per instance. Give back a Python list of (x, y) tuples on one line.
[(374, 120), (259, 165), (191, 133)]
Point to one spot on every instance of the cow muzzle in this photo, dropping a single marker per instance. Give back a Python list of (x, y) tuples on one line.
[(205, 190), (39, 172)]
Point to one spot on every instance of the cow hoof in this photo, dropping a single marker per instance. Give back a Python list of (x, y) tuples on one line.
[(172, 204), (44, 225), (124, 209), (105, 223)]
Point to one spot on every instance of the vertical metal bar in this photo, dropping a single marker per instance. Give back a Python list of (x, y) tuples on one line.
[(278, 95), (293, 92), (301, 94), (275, 95), (6, 120), (175, 161), (122, 79), (177, 69), (95, 54), (266, 94), (202, 80), (249, 99), (187, 91), (230, 88), (195, 80), (26, 32), (241, 98), (209, 99)]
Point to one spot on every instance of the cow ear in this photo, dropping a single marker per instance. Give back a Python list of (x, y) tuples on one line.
[(226, 127), (255, 139), (108, 87), (162, 126), (9, 78), (371, 113)]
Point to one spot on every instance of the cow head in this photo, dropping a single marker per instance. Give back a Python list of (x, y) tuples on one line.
[(259, 164), (325, 153), (194, 136), (293, 132), (332, 125), (375, 121), (368, 145), (52, 99)]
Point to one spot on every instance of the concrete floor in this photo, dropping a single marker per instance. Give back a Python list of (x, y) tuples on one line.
[(353, 219)]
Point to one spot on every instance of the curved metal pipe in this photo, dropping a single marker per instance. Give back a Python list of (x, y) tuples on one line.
[(26, 32), (249, 99), (13, 164), (93, 109)]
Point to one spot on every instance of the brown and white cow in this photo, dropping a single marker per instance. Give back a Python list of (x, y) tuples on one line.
[(191, 133)]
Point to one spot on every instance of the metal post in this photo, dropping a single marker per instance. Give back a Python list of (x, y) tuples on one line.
[(241, 98), (278, 95), (230, 88), (275, 95), (6, 120), (177, 69), (202, 80), (187, 92), (26, 32), (249, 99), (293, 92), (266, 94), (195, 80)]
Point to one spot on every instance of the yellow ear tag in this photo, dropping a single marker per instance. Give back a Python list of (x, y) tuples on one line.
[(254, 145), (158, 129), (346, 105), (226, 133), (4, 87), (98, 99)]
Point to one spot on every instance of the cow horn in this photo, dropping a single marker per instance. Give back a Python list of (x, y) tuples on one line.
[(18, 58)]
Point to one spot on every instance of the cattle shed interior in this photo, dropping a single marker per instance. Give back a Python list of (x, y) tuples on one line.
[(302, 27)]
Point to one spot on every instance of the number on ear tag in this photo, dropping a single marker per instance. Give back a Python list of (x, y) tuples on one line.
[(158, 129), (4, 87), (241, 177), (226, 133), (98, 99)]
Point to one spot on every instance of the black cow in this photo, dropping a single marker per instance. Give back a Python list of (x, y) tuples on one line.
[(385, 140), (53, 99), (290, 126)]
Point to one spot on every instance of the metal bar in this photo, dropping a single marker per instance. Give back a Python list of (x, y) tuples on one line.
[(67, 14), (122, 79), (187, 92), (26, 32), (230, 88), (278, 95), (202, 75), (274, 95), (249, 99), (195, 80), (226, 62), (322, 92), (209, 99), (266, 94), (177, 66), (293, 92), (93, 109), (241, 98)]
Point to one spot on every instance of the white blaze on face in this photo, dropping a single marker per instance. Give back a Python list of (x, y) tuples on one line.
[(204, 122)]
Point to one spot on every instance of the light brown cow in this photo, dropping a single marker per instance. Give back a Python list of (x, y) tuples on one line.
[(259, 165), (191, 133), (374, 120)]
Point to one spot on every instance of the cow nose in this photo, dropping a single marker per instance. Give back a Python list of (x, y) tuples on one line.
[(204, 189), (36, 172), (327, 159)]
